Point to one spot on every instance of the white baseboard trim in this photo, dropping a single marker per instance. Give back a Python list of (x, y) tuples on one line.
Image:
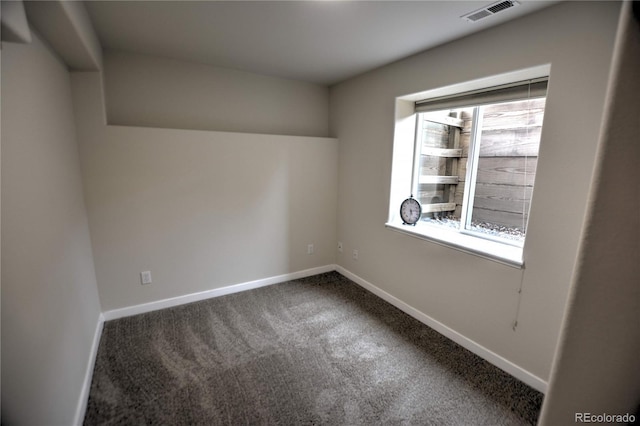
[(495, 359), (216, 292), (88, 374)]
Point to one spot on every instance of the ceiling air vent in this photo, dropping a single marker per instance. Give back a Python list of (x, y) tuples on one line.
[(489, 10)]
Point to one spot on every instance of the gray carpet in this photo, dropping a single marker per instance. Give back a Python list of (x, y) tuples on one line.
[(319, 350)]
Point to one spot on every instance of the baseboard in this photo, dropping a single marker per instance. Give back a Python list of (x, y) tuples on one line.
[(217, 292), (88, 375), (495, 359)]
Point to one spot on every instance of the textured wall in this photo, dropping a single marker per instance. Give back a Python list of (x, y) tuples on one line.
[(50, 305)]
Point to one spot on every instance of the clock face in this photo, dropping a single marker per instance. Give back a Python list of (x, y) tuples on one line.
[(410, 211)]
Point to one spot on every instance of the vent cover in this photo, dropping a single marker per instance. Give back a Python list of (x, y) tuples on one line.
[(489, 10)]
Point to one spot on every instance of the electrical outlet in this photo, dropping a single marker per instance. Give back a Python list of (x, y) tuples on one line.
[(340, 246), (310, 249), (145, 277), (355, 254)]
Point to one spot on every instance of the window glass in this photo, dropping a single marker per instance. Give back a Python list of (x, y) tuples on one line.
[(475, 167)]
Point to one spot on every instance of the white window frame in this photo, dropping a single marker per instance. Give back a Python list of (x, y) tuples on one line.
[(472, 169), (402, 176)]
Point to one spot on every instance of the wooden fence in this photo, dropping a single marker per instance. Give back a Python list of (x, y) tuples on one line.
[(506, 167)]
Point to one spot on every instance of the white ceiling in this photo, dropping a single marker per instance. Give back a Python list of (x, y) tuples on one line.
[(317, 41)]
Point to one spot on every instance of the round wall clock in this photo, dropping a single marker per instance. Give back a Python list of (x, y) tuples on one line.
[(410, 211)]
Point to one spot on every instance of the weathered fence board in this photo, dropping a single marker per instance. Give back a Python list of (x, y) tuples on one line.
[(442, 152), (512, 199), (514, 114), (438, 207), (429, 195), (433, 166), (450, 180), (435, 135), (518, 142), (516, 171)]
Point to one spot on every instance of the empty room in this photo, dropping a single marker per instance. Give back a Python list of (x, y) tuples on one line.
[(320, 212)]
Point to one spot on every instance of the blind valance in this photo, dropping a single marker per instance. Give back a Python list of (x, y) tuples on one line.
[(527, 89)]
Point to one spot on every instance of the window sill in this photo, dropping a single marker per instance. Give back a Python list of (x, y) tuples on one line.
[(491, 250)]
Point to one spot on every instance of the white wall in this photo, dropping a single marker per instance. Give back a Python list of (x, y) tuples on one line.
[(158, 92), (50, 305), (475, 297), (598, 367), (199, 209)]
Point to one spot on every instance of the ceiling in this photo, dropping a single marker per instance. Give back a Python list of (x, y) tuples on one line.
[(323, 42)]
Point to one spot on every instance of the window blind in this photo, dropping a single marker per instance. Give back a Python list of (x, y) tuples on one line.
[(535, 88)]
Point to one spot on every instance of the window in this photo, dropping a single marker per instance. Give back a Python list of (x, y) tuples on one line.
[(473, 158)]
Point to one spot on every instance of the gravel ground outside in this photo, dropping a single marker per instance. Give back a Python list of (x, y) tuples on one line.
[(512, 234)]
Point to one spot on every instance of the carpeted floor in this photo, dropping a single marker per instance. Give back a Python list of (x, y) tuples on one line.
[(319, 350)]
